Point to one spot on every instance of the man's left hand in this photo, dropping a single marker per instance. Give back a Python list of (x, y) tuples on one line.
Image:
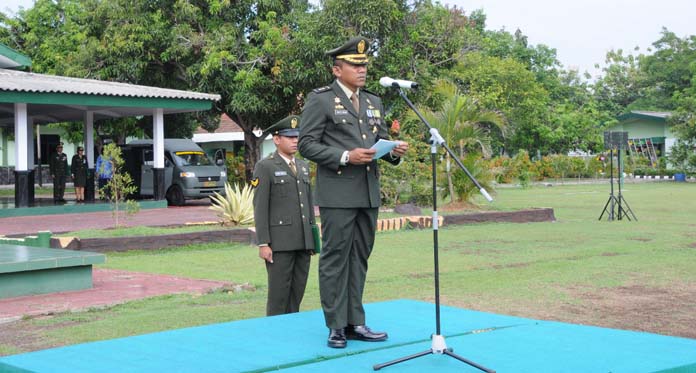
[(400, 149)]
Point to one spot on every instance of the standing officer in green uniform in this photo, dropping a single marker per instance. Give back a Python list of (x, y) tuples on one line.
[(340, 122), (58, 166), (283, 213)]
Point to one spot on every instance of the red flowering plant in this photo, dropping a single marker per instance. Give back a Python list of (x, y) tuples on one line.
[(395, 128)]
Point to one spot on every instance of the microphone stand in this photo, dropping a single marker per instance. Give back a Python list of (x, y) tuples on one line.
[(438, 345)]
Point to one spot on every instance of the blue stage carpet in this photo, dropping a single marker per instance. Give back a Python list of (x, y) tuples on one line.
[(297, 343)]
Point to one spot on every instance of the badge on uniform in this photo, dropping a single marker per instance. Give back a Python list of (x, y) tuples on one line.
[(281, 173), (254, 182)]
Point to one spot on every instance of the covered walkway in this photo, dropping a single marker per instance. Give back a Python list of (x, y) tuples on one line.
[(29, 100)]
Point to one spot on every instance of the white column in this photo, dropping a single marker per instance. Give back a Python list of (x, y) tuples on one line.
[(30, 143), (89, 138), (20, 130), (38, 141), (158, 137)]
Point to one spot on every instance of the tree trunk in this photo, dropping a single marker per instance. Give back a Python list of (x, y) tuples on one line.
[(252, 144), (252, 153)]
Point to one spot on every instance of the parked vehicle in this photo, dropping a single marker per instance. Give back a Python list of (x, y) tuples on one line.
[(188, 172)]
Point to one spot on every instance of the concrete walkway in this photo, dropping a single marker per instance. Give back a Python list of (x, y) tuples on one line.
[(193, 212), (111, 287)]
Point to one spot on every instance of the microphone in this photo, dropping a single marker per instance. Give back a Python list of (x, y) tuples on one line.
[(389, 82)]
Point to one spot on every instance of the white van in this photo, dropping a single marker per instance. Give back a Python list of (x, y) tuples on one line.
[(188, 172)]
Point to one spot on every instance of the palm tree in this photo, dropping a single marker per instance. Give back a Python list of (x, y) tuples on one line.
[(461, 121)]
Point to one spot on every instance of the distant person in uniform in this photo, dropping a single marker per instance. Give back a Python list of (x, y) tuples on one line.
[(283, 214), (340, 122), (78, 170), (58, 166), (105, 172)]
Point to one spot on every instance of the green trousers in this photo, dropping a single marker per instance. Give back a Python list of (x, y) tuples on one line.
[(348, 235), (287, 279)]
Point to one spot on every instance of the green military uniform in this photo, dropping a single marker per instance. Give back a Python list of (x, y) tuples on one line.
[(283, 214), (348, 195), (58, 166), (78, 169)]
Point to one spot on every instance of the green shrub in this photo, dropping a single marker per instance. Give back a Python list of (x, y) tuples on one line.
[(236, 169), (463, 186), (410, 181)]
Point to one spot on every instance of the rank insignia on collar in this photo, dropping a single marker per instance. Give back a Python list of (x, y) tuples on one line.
[(254, 182)]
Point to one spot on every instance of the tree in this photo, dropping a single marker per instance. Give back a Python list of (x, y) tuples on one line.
[(506, 86), (622, 83), (461, 122), (118, 189), (668, 71)]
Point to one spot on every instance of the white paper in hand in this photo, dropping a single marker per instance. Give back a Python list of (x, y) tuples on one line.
[(383, 147)]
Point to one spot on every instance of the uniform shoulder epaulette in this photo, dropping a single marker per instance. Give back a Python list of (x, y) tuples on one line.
[(368, 92), (323, 89)]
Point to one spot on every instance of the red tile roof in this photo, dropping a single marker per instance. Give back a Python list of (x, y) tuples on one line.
[(226, 125)]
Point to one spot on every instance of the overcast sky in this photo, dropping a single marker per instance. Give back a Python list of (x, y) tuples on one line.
[(581, 31)]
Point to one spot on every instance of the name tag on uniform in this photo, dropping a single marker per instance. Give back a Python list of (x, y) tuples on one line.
[(281, 173)]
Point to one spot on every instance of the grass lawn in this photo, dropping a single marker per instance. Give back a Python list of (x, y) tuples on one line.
[(626, 274)]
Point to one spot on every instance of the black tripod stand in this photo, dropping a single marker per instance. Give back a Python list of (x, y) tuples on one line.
[(438, 345), (613, 202)]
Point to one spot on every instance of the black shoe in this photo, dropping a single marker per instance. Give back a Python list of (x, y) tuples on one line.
[(337, 338), (363, 333)]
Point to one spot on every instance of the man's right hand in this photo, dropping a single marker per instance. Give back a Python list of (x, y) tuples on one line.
[(266, 253), (361, 156)]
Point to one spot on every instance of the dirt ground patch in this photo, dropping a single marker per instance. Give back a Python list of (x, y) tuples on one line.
[(26, 337), (661, 310), (664, 310)]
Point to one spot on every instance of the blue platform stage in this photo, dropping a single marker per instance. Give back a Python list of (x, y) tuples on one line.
[(297, 343)]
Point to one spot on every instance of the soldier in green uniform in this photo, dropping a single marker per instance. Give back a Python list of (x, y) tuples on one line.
[(58, 166), (283, 213), (79, 169), (340, 122)]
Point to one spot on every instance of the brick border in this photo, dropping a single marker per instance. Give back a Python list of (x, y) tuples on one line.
[(247, 235)]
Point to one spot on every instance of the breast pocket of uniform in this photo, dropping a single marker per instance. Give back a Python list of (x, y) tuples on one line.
[(281, 220), (281, 184), (344, 125)]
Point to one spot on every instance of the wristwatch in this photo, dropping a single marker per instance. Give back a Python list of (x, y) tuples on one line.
[(345, 158)]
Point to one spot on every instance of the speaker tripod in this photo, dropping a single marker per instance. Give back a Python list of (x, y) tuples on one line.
[(438, 345), (616, 203)]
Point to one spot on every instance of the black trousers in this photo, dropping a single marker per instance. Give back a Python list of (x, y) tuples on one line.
[(101, 183), (58, 187)]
